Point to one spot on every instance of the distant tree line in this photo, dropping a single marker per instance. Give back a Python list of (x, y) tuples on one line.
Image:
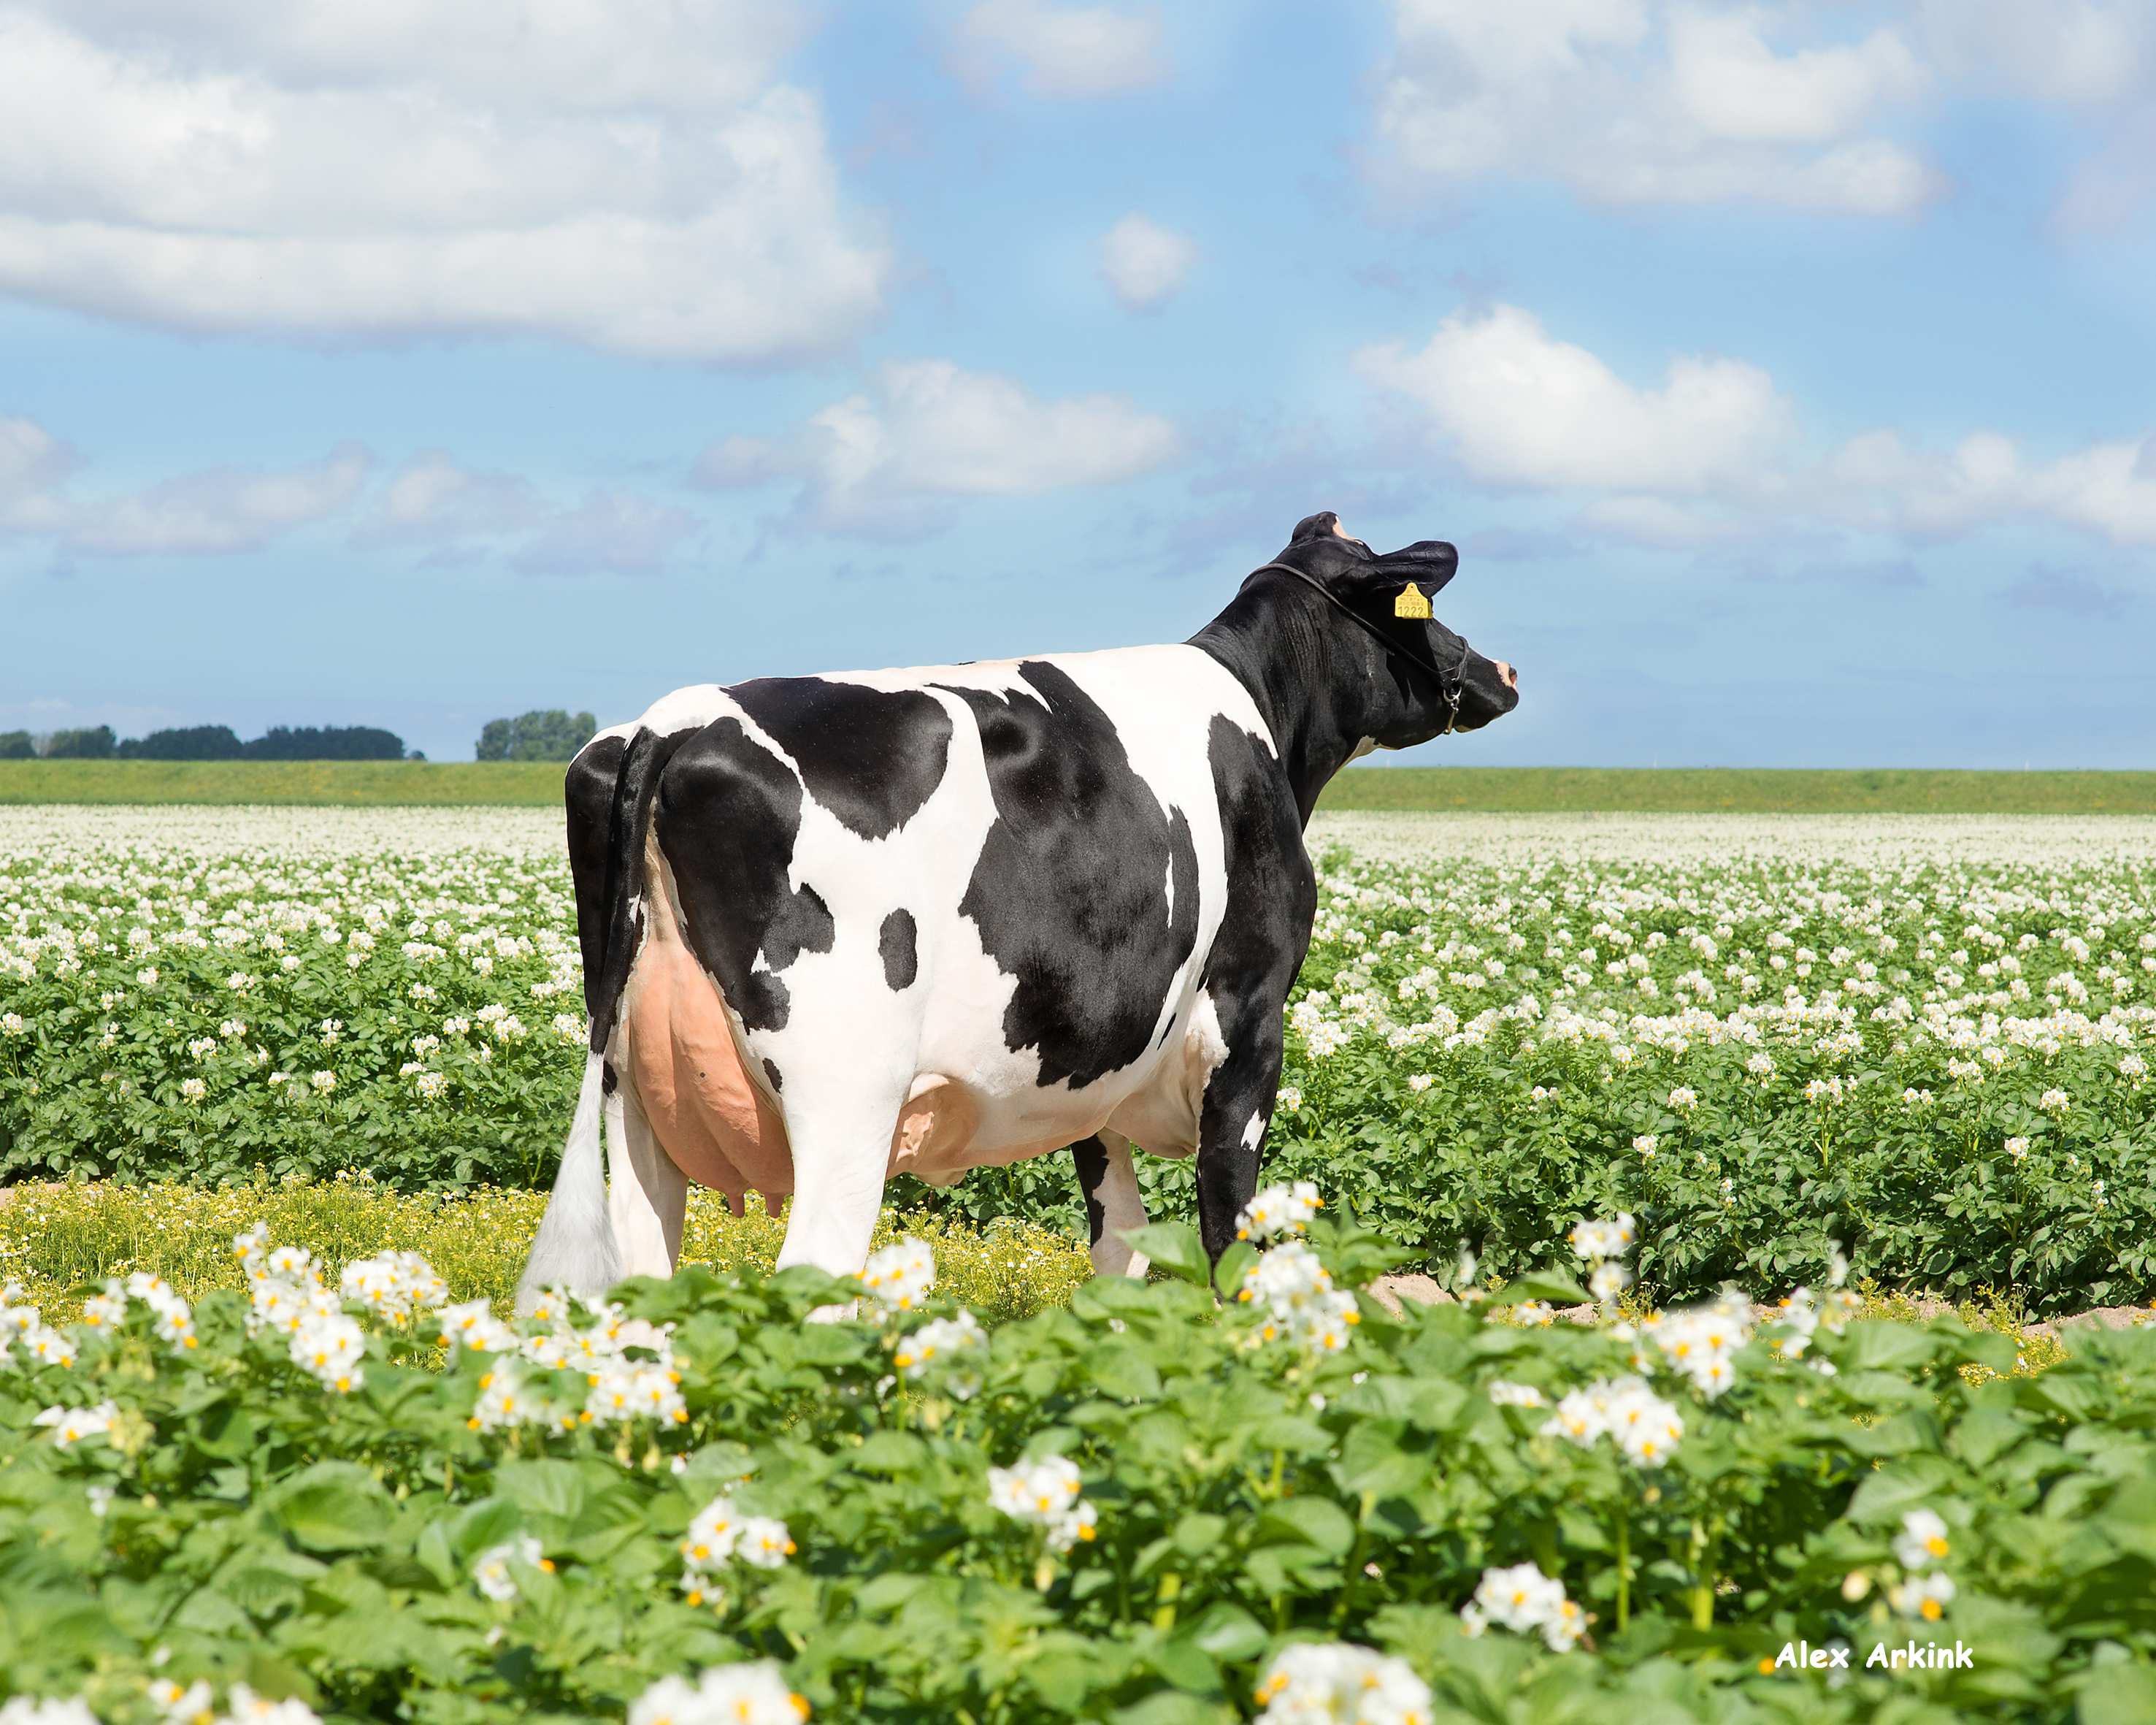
[(209, 742), (552, 735)]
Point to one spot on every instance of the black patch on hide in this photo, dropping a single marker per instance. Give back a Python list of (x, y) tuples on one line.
[(870, 756), (1070, 891)]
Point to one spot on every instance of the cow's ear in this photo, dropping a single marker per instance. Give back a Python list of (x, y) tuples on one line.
[(1429, 564), (1311, 527)]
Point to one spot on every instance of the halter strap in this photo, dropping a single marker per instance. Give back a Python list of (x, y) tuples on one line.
[(1451, 696)]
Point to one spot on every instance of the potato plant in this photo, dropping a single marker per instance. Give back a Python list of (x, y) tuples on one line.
[(200, 997), (1945, 1067), (351, 1493)]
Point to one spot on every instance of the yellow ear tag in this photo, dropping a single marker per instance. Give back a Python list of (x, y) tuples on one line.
[(1411, 602)]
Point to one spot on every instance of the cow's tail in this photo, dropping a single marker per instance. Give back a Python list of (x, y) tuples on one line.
[(575, 1249)]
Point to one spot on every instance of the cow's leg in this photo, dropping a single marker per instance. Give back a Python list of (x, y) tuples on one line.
[(1272, 897), (647, 1195), (1231, 1128), (1112, 1204), (841, 1147)]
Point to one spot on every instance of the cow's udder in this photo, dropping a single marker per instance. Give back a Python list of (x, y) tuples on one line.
[(719, 1128)]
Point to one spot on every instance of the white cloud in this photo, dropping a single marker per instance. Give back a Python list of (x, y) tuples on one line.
[(1714, 453), (1524, 409), (1632, 101), (219, 509), (32, 463), (897, 461), (627, 177), (590, 54), (1061, 50), (609, 533), (2075, 54), (431, 503), (1144, 264), (2107, 489), (431, 499), (1734, 85), (223, 509), (1658, 522)]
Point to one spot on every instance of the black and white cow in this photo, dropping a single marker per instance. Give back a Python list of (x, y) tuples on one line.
[(836, 928)]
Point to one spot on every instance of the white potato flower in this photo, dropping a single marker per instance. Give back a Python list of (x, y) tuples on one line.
[(1922, 1540), (1701, 1342), (1603, 1240), (1340, 1683), (244, 1706), (898, 1277), (952, 1346), (70, 1426), (1290, 1286), (1278, 1210), (1924, 1596), (1524, 1600), (392, 1284), (472, 1324), (505, 1402), (40, 1710), (749, 1694), (491, 1573), (1044, 1494), (1646, 1429), (194, 1705), (331, 1345)]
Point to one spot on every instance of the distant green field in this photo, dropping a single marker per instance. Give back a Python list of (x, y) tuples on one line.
[(1887, 790), (1672, 790), (351, 783)]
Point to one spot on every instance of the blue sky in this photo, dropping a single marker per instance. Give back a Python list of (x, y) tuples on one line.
[(1786, 373)]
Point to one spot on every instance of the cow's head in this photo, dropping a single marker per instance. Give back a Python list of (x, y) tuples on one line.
[(1443, 684)]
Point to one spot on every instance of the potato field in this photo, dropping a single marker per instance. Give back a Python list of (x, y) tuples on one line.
[(1723, 1082), (1927, 1039)]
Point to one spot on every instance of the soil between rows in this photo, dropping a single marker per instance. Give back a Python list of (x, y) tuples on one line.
[(1390, 1291)]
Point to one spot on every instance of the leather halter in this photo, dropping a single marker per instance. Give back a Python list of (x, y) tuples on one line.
[(1449, 695)]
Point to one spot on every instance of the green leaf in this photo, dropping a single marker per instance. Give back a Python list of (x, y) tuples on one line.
[(1172, 1707), (1881, 1344), (1985, 1433), (1552, 1285), (227, 1431), (1228, 1273), (1986, 1348), (2118, 1693), (890, 1453), (334, 1507), (542, 1488), (491, 1521), (1173, 1247), (1373, 1462), (1912, 1428), (1228, 1632), (1198, 1532), (1899, 1486), (1119, 1367), (1312, 1520)]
